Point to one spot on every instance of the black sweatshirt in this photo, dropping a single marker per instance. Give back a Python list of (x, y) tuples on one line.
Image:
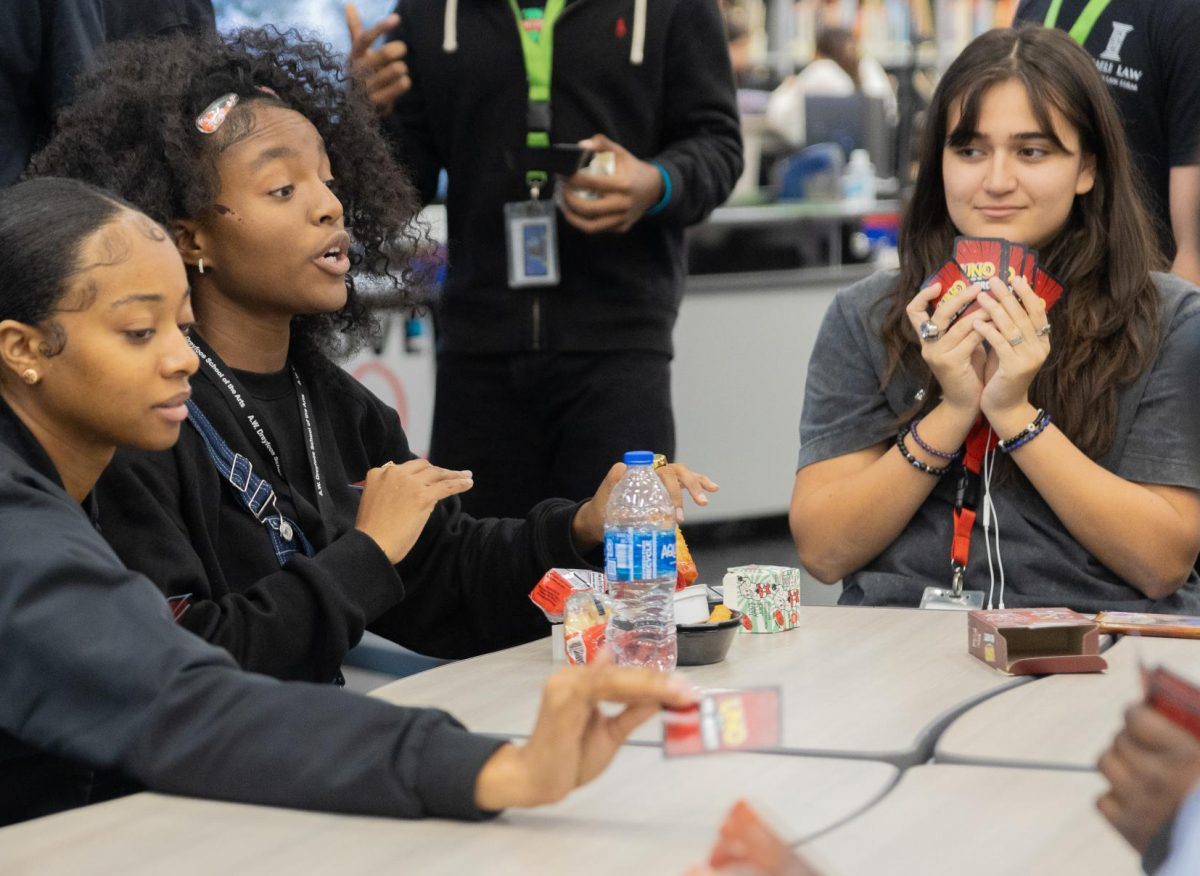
[(466, 113), (462, 590), (95, 675)]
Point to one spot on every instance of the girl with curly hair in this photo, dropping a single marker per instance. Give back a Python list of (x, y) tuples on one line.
[(100, 685), (1095, 499), (293, 514)]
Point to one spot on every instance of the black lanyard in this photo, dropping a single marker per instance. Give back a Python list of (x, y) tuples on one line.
[(255, 429)]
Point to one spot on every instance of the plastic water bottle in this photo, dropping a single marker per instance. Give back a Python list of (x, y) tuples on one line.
[(639, 563), (858, 180)]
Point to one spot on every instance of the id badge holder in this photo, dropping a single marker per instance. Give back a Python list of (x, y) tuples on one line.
[(953, 598), (531, 237)]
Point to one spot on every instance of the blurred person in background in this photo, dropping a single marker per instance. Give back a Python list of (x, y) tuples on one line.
[(44, 44), (836, 70)]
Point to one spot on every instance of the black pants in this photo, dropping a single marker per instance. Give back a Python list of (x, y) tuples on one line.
[(533, 426)]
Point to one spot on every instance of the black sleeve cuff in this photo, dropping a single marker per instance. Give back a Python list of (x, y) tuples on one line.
[(556, 524), (451, 760), (1159, 847), (363, 572)]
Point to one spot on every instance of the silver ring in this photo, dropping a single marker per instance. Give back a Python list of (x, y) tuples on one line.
[(1017, 341), (1043, 331), (929, 331)]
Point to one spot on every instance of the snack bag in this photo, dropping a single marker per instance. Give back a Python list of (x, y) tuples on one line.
[(686, 572), (585, 620)]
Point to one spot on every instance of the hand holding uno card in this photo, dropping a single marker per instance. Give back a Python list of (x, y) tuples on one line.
[(977, 259), (1174, 697), (725, 720)]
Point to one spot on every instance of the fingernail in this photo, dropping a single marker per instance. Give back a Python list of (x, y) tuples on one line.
[(679, 514), (468, 474)]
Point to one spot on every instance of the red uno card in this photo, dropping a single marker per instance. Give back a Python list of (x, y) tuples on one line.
[(745, 838), (1046, 287), (1174, 697), (1029, 270), (981, 258), (1014, 261), (954, 282), (724, 720)]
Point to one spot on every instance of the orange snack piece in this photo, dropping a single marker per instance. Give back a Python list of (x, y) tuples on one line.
[(685, 567)]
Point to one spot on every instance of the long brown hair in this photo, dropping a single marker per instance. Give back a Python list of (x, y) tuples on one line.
[(1106, 327)]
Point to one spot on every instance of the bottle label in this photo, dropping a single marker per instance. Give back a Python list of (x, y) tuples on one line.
[(630, 555)]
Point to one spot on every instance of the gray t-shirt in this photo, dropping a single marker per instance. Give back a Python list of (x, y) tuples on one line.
[(1157, 442)]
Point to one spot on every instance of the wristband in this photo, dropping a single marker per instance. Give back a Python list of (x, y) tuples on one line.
[(1040, 421), (912, 430), (937, 472), (666, 196)]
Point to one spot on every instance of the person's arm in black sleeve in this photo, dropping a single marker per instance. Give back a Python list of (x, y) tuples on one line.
[(702, 154), (294, 623), (407, 126), (467, 580), (94, 670)]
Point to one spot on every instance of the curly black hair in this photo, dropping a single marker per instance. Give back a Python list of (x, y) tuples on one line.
[(132, 130)]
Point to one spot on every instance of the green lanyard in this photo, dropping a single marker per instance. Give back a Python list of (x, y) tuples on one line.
[(1082, 28), (538, 65)]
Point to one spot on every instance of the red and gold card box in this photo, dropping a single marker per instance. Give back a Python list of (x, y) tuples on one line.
[(1035, 641)]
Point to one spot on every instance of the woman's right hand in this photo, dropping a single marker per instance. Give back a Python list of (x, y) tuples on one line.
[(956, 356), (398, 499), (573, 740)]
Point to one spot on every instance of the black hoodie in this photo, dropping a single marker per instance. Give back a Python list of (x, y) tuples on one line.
[(674, 105), (96, 675)]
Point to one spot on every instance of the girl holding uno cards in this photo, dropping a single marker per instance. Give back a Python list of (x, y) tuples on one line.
[(1092, 498)]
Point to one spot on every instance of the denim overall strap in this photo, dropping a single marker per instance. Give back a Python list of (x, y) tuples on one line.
[(254, 493)]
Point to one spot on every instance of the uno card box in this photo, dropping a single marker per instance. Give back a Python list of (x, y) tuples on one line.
[(1035, 641), (767, 596)]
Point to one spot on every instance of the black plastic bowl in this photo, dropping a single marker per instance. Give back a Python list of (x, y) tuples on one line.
[(702, 644)]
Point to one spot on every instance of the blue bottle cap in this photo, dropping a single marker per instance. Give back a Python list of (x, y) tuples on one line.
[(639, 457)]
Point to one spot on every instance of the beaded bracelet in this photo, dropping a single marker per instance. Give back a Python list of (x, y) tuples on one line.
[(937, 472), (1040, 421), (940, 454)]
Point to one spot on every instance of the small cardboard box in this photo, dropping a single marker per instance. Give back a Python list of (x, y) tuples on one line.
[(767, 596), (1035, 641)]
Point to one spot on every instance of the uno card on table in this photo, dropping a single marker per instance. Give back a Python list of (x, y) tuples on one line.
[(1174, 697), (982, 258), (724, 720)]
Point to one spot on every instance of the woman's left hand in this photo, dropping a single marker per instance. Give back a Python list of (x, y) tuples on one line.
[(588, 527), (1019, 334)]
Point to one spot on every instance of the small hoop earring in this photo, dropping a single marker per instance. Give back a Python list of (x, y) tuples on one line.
[(201, 266), (29, 376)]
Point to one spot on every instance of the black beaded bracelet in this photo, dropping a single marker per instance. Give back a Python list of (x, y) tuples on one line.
[(937, 472), (1040, 421), (932, 451)]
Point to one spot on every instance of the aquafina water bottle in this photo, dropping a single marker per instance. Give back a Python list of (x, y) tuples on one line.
[(639, 563)]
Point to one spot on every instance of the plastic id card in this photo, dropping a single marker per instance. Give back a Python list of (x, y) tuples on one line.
[(531, 236), (945, 599)]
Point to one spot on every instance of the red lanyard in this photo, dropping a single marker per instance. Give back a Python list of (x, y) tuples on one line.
[(966, 498)]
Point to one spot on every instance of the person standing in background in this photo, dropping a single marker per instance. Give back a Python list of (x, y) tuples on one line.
[(544, 380), (43, 44), (836, 70), (1145, 51)]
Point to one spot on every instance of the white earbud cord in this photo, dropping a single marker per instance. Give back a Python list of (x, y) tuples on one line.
[(990, 515)]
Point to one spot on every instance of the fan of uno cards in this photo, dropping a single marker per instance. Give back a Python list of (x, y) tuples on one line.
[(977, 259)]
